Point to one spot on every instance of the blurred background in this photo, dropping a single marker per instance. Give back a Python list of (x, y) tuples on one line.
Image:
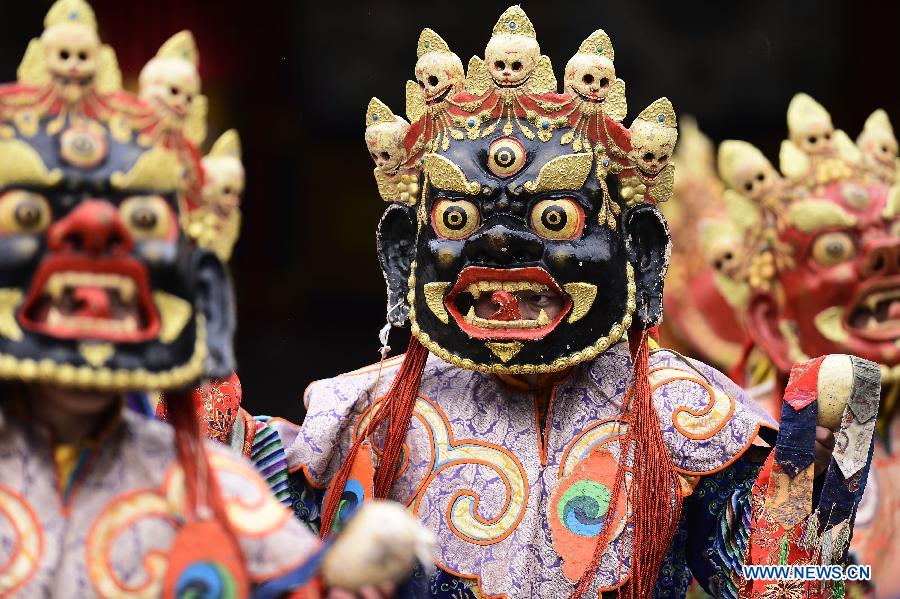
[(295, 77)]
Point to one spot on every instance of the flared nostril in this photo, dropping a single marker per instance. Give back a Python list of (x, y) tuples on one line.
[(93, 227), (883, 260), (502, 245)]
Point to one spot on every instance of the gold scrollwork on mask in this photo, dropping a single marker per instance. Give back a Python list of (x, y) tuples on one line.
[(157, 169), (446, 175), (20, 164), (562, 173)]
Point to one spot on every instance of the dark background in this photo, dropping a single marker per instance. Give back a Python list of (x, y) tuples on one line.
[(295, 77)]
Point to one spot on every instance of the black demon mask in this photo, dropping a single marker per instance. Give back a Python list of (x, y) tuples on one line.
[(524, 236), (99, 285)]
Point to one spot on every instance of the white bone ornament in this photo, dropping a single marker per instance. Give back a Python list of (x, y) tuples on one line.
[(381, 544), (834, 387)]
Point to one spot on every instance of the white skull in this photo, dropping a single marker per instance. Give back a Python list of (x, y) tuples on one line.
[(438, 71), (511, 58), (171, 84), (590, 75), (815, 135), (70, 50), (719, 242), (754, 177), (385, 143), (724, 259), (879, 147), (651, 145), (223, 184)]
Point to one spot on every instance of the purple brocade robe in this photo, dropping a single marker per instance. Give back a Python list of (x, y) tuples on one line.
[(107, 534), (516, 503)]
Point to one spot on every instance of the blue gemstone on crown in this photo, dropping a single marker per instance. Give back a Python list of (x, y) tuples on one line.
[(471, 122), (661, 118), (374, 117), (545, 124), (73, 16), (606, 162), (512, 24)]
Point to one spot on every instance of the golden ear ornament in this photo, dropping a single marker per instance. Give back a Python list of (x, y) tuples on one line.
[(415, 102), (478, 78)]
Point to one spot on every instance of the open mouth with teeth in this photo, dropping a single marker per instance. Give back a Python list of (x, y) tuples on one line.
[(439, 96), (588, 98), (517, 303), (94, 299), (876, 314)]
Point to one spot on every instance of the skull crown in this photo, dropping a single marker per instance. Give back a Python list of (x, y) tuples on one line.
[(513, 90)]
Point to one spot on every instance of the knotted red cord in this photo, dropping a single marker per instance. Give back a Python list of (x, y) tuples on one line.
[(397, 408), (650, 493)]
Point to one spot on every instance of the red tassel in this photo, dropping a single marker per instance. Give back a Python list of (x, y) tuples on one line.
[(655, 516), (205, 547), (397, 408)]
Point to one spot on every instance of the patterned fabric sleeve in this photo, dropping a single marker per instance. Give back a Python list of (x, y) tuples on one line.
[(780, 514), (275, 545), (795, 522), (267, 454), (717, 517)]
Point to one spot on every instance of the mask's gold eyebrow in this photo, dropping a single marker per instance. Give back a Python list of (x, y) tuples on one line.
[(20, 164), (157, 170), (562, 173), (446, 175), (812, 215)]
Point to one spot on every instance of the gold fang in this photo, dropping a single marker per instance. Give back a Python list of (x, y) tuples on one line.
[(96, 354), (562, 173), (616, 332), (157, 169), (174, 314), (583, 295), (9, 301), (446, 175), (434, 298), (20, 164), (505, 351), (829, 324)]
